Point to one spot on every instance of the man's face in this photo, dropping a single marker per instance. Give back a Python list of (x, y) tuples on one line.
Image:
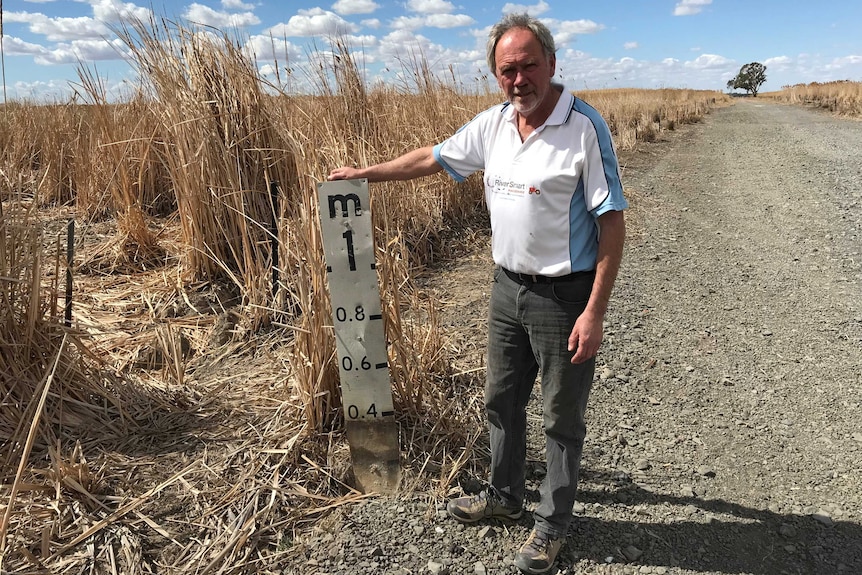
[(523, 71)]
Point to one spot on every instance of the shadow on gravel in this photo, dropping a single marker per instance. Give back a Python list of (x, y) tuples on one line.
[(712, 535)]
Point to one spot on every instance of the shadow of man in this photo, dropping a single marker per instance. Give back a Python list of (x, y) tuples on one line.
[(709, 535)]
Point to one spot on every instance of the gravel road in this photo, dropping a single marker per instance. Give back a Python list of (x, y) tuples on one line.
[(724, 425)]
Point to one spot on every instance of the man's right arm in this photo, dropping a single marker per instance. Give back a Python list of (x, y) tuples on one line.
[(419, 162)]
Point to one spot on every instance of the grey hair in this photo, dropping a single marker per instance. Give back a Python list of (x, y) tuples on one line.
[(510, 21)]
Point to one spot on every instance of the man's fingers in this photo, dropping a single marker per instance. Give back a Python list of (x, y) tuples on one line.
[(584, 352), (337, 174)]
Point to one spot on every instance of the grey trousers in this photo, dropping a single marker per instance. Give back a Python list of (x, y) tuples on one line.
[(528, 329)]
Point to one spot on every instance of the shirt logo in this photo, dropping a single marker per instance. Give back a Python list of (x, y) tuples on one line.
[(534, 190)]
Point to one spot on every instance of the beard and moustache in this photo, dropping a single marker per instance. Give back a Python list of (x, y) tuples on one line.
[(527, 102)]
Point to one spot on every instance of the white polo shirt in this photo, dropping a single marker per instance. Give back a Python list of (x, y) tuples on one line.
[(543, 194)]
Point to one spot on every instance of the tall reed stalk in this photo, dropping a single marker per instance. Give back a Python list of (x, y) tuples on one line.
[(124, 151), (39, 148), (221, 150)]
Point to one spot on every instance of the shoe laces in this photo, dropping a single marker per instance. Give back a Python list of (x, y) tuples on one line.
[(538, 541), (491, 501)]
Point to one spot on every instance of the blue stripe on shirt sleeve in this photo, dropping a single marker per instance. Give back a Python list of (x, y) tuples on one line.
[(610, 165), (455, 175)]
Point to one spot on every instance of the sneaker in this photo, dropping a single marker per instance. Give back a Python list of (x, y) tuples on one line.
[(538, 552), (485, 505)]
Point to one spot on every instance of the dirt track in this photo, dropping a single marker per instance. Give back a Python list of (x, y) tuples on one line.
[(725, 430)]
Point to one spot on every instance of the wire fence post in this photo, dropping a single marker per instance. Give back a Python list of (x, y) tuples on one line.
[(70, 258)]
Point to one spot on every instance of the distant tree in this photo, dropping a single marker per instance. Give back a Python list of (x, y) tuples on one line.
[(750, 78)]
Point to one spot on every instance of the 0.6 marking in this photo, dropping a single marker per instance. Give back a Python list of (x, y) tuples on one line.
[(348, 364)]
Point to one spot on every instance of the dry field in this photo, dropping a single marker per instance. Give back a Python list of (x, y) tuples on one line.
[(842, 98), (187, 417)]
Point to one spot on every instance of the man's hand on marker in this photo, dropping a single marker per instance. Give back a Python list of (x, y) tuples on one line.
[(343, 173)]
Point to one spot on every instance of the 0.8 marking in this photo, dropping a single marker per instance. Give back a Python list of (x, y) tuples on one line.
[(341, 314)]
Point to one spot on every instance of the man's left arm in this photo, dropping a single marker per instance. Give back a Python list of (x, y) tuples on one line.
[(586, 336)]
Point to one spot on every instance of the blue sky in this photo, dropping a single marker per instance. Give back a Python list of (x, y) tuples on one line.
[(607, 44)]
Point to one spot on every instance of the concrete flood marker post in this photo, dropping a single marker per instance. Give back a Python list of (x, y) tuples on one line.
[(366, 391)]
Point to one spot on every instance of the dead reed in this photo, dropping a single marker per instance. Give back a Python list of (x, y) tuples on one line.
[(222, 151), (190, 420), (54, 390), (636, 116), (39, 145), (842, 97)]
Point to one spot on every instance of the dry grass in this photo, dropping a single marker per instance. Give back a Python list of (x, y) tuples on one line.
[(189, 419), (843, 98), (641, 115)]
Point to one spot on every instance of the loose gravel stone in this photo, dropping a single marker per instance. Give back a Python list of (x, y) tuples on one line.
[(632, 553), (823, 517), (706, 471)]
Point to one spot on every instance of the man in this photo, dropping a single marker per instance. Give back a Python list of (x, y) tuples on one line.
[(553, 190)]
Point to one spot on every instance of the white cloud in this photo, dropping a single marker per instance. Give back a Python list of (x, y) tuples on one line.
[(62, 29), (364, 42), (709, 61), (267, 70), (847, 60), (313, 22), (268, 48), (82, 51), (58, 29), (402, 44), (200, 14), (566, 31), (431, 21), (401, 37), (690, 7), (53, 90), (843, 68), (430, 6), (581, 71), (534, 10), (576, 26), (373, 23), (348, 7), (778, 61), (13, 46), (116, 11), (631, 46), (236, 5)]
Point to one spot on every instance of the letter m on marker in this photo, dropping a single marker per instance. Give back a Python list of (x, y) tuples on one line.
[(343, 200)]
